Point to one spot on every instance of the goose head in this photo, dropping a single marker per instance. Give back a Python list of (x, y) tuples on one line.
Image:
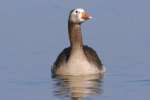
[(79, 16)]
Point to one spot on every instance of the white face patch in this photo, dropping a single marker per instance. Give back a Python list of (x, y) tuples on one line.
[(76, 15)]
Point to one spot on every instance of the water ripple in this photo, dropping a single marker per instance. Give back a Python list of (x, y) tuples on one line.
[(77, 87)]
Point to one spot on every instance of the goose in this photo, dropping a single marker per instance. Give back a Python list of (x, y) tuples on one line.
[(77, 59)]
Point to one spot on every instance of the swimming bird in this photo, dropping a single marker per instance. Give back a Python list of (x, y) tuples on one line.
[(77, 59)]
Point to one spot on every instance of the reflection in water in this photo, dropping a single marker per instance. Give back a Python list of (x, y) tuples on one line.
[(77, 87)]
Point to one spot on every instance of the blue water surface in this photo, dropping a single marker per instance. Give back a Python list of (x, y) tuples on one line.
[(33, 32)]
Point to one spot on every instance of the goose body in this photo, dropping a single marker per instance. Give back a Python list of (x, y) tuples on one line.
[(77, 59)]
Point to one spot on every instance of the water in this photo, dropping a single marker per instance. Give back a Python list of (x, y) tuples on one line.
[(33, 32), (78, 87)]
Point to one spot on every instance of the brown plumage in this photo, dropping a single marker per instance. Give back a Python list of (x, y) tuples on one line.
[(74, 59), (89, 52)]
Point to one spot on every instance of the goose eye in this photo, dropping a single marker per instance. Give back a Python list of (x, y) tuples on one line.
[(77, 12)]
